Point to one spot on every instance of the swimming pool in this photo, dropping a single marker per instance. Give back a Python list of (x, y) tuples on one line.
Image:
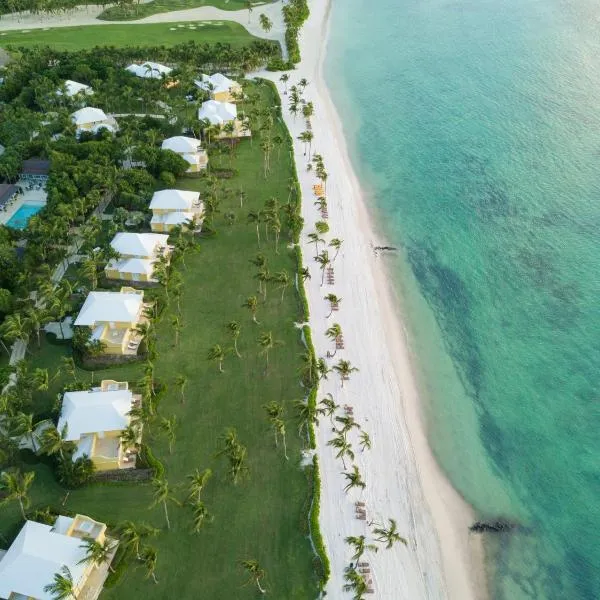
[(20, 219)]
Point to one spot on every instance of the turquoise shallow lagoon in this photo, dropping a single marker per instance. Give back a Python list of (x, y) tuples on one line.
[(475, 127)]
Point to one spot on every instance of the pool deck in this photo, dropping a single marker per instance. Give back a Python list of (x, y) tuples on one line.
[(28, 197)]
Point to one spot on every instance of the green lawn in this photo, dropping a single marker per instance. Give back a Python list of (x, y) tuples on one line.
[(154, 34), (138, 11), (264, 517)]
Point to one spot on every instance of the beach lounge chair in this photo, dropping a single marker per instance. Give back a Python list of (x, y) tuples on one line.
[(359, 504), (362, 564)]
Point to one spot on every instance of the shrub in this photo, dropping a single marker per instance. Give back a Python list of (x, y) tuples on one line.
[(322, 563), (75, 474)]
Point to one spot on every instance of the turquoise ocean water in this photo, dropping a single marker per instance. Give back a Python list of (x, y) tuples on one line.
[(475, 126)]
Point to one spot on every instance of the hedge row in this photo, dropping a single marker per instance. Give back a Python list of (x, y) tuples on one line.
[(294, 15), (317, 537)]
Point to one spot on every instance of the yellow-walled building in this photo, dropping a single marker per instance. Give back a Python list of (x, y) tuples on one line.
[(138, 253), (173, 208)]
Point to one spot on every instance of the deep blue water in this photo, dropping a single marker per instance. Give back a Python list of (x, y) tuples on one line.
[(476, 128)]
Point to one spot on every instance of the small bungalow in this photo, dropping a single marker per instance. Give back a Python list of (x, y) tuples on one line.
[(172, 208), (73, 88), (190, 150), (220, 114), (149, 70), (137, 254), (40, 551), (95, 421), (113, 318), (35, 170), (219, 87), (92, 120)]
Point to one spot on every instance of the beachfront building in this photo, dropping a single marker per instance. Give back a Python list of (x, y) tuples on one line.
[(113, 318), (149, 70), (221, 114), (73, 88), (219, 87), (92, 120), (190, 150), (173, 208), (95, 421), (138, 253), (40, 551)]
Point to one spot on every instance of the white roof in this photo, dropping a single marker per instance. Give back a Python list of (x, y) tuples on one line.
[(37, 553), (174, 199), (217, 112), (173, 218), (105, 307), (133, 265), (141, 245), (181, 144), (88, 114), (216, 83), (73, 88), (149, 70), (95, 411)]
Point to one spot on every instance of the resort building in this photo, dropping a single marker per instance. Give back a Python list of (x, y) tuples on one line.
[(149, 70), (92, 120), (7, 193), (40, 551), (219, 87), (113, 318), (35, 170), (73, 88), (95, 421), (138, 252), (190, 150), (172, 208), (220, 114)]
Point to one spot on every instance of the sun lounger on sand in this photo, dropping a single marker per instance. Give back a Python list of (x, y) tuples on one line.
[(362, 564)]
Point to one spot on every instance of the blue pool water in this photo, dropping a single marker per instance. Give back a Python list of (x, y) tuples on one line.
[(20, 219)]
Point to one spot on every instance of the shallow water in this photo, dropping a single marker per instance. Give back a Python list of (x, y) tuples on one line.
[(476, 126)]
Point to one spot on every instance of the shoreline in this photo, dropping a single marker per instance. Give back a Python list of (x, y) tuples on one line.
[(443, 560)]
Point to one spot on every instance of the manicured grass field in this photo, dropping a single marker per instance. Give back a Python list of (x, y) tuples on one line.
[(264, 517), (139, 11), (153, 34)]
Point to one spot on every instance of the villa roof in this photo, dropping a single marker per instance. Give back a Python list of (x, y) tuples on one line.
[(36, 166), (217, 113), (181, 144), (72, 88), (216, 83), (149, 70), (38, 552), (143, 266), (173, 218), (141, 245), (174, 199), (88, 114), (94, 411), (110, 307), (7, 191)]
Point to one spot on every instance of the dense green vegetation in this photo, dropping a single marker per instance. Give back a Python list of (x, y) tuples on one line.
[(119, 36), (266, 515), (295, 13)]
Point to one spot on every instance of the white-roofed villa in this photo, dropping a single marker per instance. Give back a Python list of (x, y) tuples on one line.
[(91, 120), (95, 422), (220, 87), (73, 88), (190, 149), (138, 253), (40, 551), (149, 70), (113, 318), (172, 208), (223, 115)]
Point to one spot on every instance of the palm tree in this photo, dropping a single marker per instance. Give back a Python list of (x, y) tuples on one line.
[(348, 423), (389, 535), (324, 262), (360, 546), (22, 425), (263, 277), (54, 441), (176, 323), (323, 369), (256, 572), (15, 327), (130, 436), (356, 583), (149, 557), (322, 227), (343, 447), (180, 382), (15, 486), (256, 217), (354, 479), (169, 428), (162, 495), (284, 79), (265, 22), (365, 441), (333, 333), (313, 238), (234, 329), (96, 552), (308, 414), (217, 355), (267, 343), (62, 587), (334, 301), (344, 368), (198, 481), (252, 305), (283, 278), (201, 516), (329, 406), (336, 244), (131, 535), (35, 319)]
